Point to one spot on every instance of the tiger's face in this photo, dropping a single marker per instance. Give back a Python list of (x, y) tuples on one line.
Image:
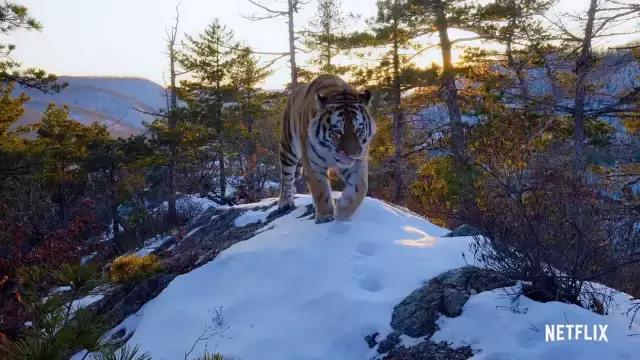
[(344, 127)]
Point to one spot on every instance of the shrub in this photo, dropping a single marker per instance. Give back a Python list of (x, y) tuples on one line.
[(133, 267), (56, 332), (441, 190), (126, 352), (555, 231)]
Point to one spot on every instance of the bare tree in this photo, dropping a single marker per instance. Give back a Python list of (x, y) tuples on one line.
[(602, 19), (172, 34), (293, 6)]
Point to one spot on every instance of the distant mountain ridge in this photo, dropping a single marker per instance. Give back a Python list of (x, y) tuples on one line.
[(111, 101)]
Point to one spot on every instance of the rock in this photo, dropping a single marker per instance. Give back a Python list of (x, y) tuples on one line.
[(453, 300), (447, 293), (428, 350), (124, 300), (464, 230), (209, 234), (391, 341), (416, 315), (371, 340)]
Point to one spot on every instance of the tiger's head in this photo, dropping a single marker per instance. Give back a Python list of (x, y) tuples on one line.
[(344, 127)]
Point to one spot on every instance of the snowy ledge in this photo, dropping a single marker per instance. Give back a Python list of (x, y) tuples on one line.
[(300, 290)]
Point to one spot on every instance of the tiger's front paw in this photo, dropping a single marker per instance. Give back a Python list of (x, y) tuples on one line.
[(345, 208), (343, 213), (323, 218), (286, 204)]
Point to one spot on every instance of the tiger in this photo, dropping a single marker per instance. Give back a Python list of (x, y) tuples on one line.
[(326, 125)]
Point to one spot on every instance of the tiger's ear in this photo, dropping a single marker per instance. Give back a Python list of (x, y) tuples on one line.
[(321, 100), (365, 97)]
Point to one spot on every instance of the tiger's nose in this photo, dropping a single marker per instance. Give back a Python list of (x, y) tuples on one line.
[(356, 155), (354, 152)]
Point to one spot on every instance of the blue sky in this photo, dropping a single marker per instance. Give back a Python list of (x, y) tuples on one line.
[(125, 37)]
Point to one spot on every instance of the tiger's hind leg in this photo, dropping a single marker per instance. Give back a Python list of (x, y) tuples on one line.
[(289, 163), (300, 184)]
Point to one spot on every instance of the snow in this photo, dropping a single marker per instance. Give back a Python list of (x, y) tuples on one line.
[(271, 185), (60, 289), (300, 290), (263, 202), (190, 204), (192, 232), (251, 217), (87, 258), (83, 302), (108, 234), (499, 329), (202, 203), (152, 245)]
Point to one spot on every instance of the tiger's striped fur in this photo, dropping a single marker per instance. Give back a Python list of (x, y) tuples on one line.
[(325, 126)]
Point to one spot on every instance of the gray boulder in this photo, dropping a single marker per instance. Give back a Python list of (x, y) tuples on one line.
[(429, 350), (464, 230), (445, 294)]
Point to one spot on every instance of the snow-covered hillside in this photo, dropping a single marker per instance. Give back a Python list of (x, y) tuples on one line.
[(300, 290), (108, 100)]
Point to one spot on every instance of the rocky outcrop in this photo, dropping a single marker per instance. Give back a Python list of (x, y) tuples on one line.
[(416, 315), (208, 235), (123, 300), (464, 230), (428, 350)]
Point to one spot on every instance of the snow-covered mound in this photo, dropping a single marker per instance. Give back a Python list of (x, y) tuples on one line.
[(110, 101), (300, 290), (499, 327)]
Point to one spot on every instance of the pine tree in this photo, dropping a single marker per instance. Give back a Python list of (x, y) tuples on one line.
[(62, 145), (12, 17), (516, 25), (392, 31), (323, 36), (251, 114), (208, 59), (440, 16), (114, 162), (14, 160)]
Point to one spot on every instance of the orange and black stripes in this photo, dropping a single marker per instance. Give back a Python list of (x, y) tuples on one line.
[(325, 124)]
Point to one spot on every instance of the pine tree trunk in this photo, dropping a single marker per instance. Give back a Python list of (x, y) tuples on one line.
[(520, 75), (292, 45), (218, 123), (468, 207), (172, 122), (222, 177), (221, 160), (449, 85), (582, 69), (300, 184), (397, 116), (113, 199)]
